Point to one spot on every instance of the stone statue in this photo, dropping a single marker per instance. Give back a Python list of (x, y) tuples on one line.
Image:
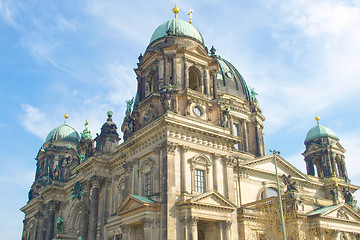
[(60, 225), (129, 104), (291, 186), (225, 118), (125, 127), (253, 95)]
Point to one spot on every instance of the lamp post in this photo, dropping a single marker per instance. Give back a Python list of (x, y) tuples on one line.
[(279, 195)]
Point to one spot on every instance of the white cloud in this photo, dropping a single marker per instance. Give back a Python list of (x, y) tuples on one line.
[(34, 121), (65, 24), (7, 14)]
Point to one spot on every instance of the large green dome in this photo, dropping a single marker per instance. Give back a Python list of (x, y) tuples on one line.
[(63, 133), (229, 80), (178, 27), (320, 131)]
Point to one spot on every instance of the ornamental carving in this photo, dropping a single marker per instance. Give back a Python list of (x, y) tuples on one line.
[(169, 148), (342, 214), (146, 222)]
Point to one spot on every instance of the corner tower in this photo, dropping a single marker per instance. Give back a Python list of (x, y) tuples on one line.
[(324, 153)]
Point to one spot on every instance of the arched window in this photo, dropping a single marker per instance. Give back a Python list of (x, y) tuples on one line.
[(269, 192), (319, 168), (193, 79)]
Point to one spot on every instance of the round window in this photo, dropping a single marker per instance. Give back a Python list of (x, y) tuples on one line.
[(197, 111), (229, 74)]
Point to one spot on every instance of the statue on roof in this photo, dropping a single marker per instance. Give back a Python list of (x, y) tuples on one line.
[(253, 95), (291, 185), (129, 104)]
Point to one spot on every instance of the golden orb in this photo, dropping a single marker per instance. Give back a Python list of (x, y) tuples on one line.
[(317, 118), (66, 116), (176, 10)]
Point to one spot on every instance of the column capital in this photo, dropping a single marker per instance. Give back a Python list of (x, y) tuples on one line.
[(192, 220), (216, 156), (184, 148), (146, 222), (156, 222), (169, 148), (95, 181), (226, 224), (52, 205), (124, 228)]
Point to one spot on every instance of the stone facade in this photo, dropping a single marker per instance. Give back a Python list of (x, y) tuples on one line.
[(192, 165)]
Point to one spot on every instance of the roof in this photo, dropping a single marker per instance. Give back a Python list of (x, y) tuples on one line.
[(142, 198), (178, 27), (320, 131), (64, 133), (322, 210), (230, 80)]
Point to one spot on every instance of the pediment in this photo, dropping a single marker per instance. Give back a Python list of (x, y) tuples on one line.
[(266, 164), (313, 147), (338, 146), (340, 211), (343, 212), (197, 50), (212, 199), (133, 202)]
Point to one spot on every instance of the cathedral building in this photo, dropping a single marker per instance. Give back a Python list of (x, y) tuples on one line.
[(192, 164)]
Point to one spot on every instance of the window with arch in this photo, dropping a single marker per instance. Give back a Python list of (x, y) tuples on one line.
[(193, 79), (200, 167), (269, 192)]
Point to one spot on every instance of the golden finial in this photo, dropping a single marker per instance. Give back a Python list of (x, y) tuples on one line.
[(86, 123), (317, 119), (190, 13), (66, 116), (335, 180), (176, 10)]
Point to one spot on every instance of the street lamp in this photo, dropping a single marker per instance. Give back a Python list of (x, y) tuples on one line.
[(279, 195)]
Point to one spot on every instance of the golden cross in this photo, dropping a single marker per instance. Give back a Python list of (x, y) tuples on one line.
[(190, 12)]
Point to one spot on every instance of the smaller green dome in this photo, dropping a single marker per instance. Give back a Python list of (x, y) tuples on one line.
[(320, 131), (178, 27), (64, 133)]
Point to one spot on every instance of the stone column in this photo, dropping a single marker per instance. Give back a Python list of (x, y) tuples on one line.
[(258, 141), (84, 217), (174, 70), (166, 76), (39, 225), (230, 193), (226, 226), (216, 158), (51, 223), (184, 232), (106, 207), (186, 74), (183, 179), (220, 230), (157, 180), (214, 84), (136, 181), (246, 139), (192, 228), (206, 80), (146, 222), (44, 223), (156, 229), (94, 208), (124, 232)]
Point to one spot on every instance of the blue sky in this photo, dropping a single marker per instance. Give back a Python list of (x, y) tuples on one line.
[(301, 56)]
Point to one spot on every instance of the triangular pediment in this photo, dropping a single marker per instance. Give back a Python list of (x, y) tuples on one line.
[(340, 211), (266, 164), (343, 212), (313, 147), (197, 50), (134, 202), (212, 199)]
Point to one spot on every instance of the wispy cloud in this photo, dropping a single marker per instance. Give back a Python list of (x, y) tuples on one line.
[(34, 121), (6, 14)]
